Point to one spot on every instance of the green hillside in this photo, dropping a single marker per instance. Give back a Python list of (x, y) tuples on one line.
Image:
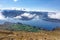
[(21, 27)]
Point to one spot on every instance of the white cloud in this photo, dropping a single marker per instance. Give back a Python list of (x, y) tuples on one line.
[(54, 16), (2, 17), (18, 17), (36, 18), (15, 0), (28, 15)]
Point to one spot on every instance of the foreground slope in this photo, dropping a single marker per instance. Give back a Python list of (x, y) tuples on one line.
[(22, 35)]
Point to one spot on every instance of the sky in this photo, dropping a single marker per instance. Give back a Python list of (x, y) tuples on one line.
[(44, 5)]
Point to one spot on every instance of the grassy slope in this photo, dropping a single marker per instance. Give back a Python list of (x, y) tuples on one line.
[(21, 27)]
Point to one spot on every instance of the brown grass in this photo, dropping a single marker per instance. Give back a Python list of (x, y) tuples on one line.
[(21, 35)]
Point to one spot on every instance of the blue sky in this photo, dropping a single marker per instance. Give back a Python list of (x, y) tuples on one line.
[(50, 5)]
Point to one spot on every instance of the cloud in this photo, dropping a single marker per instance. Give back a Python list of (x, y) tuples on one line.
[(28, 15), (54, 16), (15, 0), (18, 17), (36, 18), (2, 17)]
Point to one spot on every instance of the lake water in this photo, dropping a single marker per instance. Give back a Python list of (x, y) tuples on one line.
[(48, 25)]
